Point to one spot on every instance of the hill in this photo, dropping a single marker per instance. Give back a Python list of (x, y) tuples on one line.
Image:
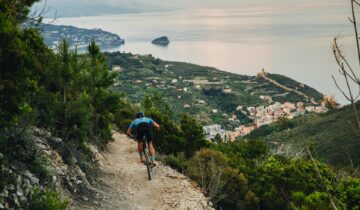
[(330, 134), (54, 34), (210, 95)]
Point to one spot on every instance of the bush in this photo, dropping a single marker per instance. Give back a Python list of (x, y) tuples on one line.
[(281, 179), (169, 140), (193, 133), (47, 200), (38, 167), (349, 193), (177, 162), (221, 183)]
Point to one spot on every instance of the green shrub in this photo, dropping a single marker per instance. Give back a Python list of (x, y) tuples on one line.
[(47, 200), (177, 162), (223, 184), (349, 193), (38, 167), (280, 179)]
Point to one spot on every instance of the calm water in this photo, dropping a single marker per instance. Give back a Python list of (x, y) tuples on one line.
[(292, 41)]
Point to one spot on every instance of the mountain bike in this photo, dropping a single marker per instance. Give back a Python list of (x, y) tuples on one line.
[(146, 153)]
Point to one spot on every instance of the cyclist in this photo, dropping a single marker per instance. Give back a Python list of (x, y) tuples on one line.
[(143, 127)]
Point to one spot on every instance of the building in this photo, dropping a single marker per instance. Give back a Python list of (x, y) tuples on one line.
[(212, 130), (116, 68)]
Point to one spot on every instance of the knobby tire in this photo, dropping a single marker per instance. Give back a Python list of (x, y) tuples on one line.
[(148, 161)]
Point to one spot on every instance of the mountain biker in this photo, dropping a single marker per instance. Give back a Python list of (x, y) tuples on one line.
[(143, 127)]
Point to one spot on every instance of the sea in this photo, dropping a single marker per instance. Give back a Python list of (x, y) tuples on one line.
[(293, 40)]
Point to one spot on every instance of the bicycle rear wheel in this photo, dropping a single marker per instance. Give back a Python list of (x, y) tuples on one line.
[(148, 163)]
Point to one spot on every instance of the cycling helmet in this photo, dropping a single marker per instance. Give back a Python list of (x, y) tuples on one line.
[(140, 115)]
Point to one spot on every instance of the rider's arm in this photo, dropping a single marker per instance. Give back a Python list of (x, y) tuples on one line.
[(131, 128), (129, 131), (157, 126)]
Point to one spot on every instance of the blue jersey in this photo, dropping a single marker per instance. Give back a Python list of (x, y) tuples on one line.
[(136, 122)]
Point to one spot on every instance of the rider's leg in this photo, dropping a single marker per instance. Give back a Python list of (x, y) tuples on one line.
[(149, 137), (152, 151), (140, 149)]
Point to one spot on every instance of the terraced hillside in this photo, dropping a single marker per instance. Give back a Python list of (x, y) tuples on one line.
[(211, 95)]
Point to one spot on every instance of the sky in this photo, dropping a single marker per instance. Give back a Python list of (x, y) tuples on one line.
[(68, 8)]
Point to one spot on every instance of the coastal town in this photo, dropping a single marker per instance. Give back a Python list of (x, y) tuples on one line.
[(78, 37), (262, 115)]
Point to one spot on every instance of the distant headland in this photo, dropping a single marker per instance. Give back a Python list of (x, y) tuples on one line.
[(79, 37)]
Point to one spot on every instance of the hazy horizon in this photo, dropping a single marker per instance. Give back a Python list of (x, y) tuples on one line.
[(76, 8), (289, 38)]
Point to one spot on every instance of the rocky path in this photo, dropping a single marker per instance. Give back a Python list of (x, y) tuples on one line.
[(127, 187)]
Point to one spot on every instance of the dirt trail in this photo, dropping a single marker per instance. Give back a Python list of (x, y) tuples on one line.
[(287, 88), (127, 187)]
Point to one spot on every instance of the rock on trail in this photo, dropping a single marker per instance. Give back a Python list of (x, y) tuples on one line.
[(125, 184)]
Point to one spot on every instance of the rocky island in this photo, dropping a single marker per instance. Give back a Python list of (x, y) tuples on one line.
[(80, 37), (163, 41)]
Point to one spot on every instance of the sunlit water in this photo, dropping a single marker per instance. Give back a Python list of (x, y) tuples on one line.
[(291, 41)]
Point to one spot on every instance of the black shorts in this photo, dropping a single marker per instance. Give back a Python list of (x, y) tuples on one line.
[(144, 129), (148, 134)]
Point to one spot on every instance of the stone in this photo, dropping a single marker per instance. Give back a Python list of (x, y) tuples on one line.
[(19, 192), (31, 177), (23, 200), (27, 187), (11, 188), (95, 153), (4, 193), (56, 140), (16, 200), (18, 180), (85, 198), (53, 181)]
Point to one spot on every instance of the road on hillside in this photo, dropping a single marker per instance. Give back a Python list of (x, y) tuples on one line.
[(126, 186)]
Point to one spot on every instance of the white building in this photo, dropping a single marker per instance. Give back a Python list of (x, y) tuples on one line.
[(116, 68), (212, 130)]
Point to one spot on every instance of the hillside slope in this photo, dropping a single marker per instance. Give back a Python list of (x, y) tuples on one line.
[(127, 187), (331, 133), (210, 95)]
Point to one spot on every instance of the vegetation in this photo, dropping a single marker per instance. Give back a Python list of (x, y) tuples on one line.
[(244, 175), (63, 93), (196, 90), (330, 134), (47, 200), (290, 83), (249, 174), (74, 98)]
